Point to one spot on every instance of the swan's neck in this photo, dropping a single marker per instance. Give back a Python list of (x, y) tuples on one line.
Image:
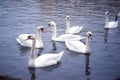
[(67, 26), (106, 21), (38, 36), (54, 31), (31, 57), (88, 39)]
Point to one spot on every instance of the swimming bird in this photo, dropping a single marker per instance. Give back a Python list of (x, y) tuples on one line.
[(78, 46), (28, 43), (111, 24), (62, 37), (72, 29), (43, 60)]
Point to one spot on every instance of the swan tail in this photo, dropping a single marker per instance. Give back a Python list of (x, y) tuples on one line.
[(60, 55), (18, 40), (81, 28)]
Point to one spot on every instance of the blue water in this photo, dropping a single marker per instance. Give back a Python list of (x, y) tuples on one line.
[(23, 16)]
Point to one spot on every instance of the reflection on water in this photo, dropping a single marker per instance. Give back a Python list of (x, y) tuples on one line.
[(6, 77), (24, 50), (54, 46), (87, 68), (49, 68), (106, 34), (32, 72), (39, 52)]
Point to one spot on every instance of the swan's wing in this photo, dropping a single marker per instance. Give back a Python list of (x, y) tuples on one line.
[(68, 36), (47, 59), (23, 36), (75, 29), (22, 40), (113, 24), (27, 43), (76, 46), (63, 37)]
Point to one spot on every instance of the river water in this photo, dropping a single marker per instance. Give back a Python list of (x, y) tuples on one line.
[(23, 16)]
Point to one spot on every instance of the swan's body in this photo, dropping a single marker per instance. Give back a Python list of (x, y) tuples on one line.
[(28, 43), (63, 37), (78, 46), (73, 29), (43, 60), (111, 24)]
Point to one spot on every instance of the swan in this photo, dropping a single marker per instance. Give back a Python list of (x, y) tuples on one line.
[(73, 29), (63, 37), (78, 46), (43, 60), (28, 43), (111, 24)]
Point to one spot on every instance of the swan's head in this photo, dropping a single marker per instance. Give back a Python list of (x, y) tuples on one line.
[(89, 34), (67, 17), (32, 37), (52, 23), (40, 28), (106, 13)]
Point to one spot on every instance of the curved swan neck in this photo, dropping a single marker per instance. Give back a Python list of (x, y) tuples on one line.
[(32, 57), (88, 39), (54, 32), (106, 20), (67, 26), (38, 36)]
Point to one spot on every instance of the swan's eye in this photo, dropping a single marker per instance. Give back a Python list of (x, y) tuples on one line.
[(90, 34), (49, 24), (107, 13), (29, 37), (42, 29), (68, 18)]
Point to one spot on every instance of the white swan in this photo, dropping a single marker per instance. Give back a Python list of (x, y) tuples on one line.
[(111, 24), (43, 60), (73, 29), (63, 37), (78, 46), (28, 43)]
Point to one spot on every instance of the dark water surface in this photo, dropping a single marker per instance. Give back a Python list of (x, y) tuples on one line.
[(22, 16)]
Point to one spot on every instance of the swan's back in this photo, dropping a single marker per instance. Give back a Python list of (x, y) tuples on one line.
[(76, 46), (75, 29), (64, 37), (113, 24), (22, 40), (23, 36), (27, 43), (48, 59)]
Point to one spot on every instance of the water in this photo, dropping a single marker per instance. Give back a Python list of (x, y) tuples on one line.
[(22, 16)]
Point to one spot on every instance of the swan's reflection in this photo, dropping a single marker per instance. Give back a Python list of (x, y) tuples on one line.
[(24, 50), (39, 52), (106, 35), (54, 46), (32, 72), (49, 68), (87, 68)]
